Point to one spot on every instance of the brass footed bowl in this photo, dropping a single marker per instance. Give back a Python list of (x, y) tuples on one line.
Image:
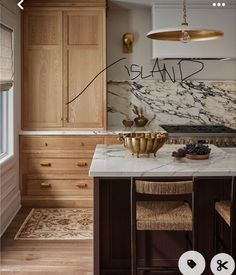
[(143, 143)]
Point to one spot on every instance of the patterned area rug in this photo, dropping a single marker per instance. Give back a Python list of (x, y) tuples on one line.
[(57, 224)]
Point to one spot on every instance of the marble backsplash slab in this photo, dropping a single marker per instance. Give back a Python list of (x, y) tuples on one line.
[(190, 102)]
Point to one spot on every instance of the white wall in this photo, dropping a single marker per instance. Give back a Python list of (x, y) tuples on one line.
[(9, 170), (138, 21)]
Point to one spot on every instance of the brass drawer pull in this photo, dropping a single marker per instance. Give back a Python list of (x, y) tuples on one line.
[(46, 164), (45, 185), (82, 144), (82, 164), (82, 186)]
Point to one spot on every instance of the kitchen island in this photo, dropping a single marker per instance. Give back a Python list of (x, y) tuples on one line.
[(113, 167)]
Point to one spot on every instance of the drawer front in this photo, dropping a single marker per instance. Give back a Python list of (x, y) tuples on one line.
[(58, 187), (60, 142), (37, 165)]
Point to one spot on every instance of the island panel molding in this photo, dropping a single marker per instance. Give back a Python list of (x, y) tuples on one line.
[(190, 102)]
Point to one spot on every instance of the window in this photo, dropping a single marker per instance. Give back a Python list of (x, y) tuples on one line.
[(6, 83)]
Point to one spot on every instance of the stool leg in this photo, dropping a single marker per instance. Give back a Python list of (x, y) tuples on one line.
[(233, 219), (133, 229), (233, 245), (216, 226), (194, 216)]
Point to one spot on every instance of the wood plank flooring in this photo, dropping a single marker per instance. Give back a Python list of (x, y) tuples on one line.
[(43, 257)]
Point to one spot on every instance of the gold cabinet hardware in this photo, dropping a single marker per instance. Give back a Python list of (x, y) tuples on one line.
[(46, 144), (82, 186), (45, 185), (64, 119), (82, 144), (82, 164), (45, 164)]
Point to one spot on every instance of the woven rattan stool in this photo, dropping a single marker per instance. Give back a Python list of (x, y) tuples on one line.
[(157, 214), (226, 211)]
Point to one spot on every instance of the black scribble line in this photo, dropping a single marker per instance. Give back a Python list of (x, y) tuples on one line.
[(127, 69), (189, 60), (112, 64)]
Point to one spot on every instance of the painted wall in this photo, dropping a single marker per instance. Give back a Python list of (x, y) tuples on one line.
[(9, 169), (138, 21)]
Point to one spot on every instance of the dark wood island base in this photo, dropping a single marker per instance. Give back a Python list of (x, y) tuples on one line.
[(112, 226)]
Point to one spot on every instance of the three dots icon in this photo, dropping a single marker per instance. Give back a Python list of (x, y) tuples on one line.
[(219, 4)]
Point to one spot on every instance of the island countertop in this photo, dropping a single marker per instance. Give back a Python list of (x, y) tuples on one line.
[(116, 161)]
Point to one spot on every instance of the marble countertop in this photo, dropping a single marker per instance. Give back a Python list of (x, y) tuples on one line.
[(116, 161), (110, 131)]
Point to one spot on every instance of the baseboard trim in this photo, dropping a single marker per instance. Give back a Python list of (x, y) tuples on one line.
[(13, 203), (12, 218)]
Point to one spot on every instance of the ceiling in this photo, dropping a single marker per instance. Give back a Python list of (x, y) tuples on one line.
[(130, 3)]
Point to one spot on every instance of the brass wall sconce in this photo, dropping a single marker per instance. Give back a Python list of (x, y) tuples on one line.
[(128, 40)]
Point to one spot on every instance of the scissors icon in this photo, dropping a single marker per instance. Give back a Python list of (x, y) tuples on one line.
[(221, 265)]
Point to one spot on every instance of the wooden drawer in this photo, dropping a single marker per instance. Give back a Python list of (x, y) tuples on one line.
[(58, 187), (37, 165), (63, 143)]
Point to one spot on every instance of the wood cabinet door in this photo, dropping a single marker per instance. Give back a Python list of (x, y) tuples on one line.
[(42, 69), (84, 58)]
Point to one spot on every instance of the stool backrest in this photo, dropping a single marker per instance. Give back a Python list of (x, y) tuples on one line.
[(164, 187)]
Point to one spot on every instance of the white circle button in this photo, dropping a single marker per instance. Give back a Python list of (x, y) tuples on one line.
[(222, 264), (191, 263)]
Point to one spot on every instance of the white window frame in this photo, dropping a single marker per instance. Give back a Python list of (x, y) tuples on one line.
[(8, 116)]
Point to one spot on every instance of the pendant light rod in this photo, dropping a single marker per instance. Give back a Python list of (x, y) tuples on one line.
[(184, 23)]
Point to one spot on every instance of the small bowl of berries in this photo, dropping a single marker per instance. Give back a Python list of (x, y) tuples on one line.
[(195, 151)]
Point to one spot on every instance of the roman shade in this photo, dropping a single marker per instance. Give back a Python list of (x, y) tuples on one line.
[(6, 58)]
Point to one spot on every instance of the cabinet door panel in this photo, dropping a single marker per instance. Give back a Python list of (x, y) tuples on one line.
[(77, 26), (43, 29), (84, 55), (42, 71)]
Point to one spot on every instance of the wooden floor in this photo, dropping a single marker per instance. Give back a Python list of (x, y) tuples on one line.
[(43, 257)]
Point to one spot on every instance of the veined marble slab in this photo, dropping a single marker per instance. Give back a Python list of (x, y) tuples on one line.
[(190, 102), (116, 161)]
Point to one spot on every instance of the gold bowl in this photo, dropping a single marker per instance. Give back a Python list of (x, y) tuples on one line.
[(143, 143)]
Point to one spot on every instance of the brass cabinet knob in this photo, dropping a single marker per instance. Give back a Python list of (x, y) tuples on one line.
[(82, 186), (46, 164), (64, 119), (45, 185), (82, 164), (82, 144)]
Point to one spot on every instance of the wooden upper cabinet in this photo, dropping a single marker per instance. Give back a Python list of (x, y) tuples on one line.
[(42, 70), (63, 51), (84, 54)]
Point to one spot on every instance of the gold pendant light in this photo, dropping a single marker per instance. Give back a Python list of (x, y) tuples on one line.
[(185, 34)]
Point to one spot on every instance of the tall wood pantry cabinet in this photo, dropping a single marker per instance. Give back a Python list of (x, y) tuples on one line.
[(63, 50)]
